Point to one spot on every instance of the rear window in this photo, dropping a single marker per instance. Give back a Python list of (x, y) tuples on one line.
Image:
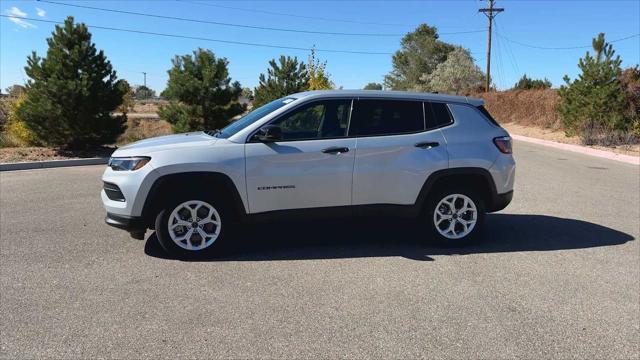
[(386, 117), (487, 115), (437, 115)]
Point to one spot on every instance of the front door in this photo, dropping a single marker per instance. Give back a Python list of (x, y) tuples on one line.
[(311, 167)]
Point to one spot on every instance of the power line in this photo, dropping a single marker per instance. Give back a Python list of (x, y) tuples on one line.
[(300, 31), (563, 47), (217, 22), (212, 40), (293, 15)]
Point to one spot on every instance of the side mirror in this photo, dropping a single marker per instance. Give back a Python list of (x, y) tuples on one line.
[(268, 134)]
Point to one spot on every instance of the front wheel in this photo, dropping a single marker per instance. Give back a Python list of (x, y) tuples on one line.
[(455, 216), (189, 227)]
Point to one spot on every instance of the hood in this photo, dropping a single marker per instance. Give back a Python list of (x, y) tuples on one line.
[(167, 142)]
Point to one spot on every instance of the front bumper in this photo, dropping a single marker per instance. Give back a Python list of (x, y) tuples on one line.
[(132, 224)]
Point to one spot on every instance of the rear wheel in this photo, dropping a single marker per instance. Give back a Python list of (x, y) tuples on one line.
[(455, 216), (190, 225)]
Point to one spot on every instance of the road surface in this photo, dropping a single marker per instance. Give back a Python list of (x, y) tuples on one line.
[(557, 275)]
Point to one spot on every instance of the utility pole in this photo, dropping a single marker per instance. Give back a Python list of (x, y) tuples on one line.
[(490, 12), (145, 78)]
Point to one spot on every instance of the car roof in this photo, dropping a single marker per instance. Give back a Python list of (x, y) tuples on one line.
[(389, 94)]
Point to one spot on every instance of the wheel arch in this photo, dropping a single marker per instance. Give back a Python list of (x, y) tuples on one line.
[(477, 178), (195, 179)]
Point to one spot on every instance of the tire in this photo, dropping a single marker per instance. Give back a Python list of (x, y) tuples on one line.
[(181, 237), (466, 228)]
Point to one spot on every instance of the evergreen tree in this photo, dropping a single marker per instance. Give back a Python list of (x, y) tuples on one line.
[(595, 101), (527, 83), (373, 86), (142, 93), (72, 92), (201, 93), (285, 77), (420, 52), (318, 76)]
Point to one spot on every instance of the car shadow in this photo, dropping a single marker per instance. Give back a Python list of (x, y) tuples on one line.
[(381, 237)]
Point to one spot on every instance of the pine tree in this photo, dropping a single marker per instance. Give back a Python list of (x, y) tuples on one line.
[(595, 102), (286, 77), (72, 92), (201, 94)]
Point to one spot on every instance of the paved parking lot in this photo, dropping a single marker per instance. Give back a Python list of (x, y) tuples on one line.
[(557, 275)]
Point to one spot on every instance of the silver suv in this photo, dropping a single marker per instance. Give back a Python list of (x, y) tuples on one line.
[(442, 159)]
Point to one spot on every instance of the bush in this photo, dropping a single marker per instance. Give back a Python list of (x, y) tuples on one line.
[(15, 132)]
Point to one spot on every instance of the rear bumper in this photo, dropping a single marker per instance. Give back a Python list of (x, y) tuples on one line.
[(500, 201), (128, 223)]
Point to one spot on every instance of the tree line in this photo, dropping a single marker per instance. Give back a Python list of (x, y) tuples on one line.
[(73, 97)]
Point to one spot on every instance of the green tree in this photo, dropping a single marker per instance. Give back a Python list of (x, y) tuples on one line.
[(285, 77), (373, 86), (72, 92), (201, 93), (142, 92), (420, 52), (456, 75), (318, 75), (527, 83), (595, 102), (247, 93)]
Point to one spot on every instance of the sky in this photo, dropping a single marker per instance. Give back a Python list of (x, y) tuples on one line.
[(537, 23)]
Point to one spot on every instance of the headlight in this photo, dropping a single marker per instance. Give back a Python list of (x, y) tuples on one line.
[(128, 163)]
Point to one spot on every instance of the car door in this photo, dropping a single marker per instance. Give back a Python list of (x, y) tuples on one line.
[(311, 167), (397, 148)]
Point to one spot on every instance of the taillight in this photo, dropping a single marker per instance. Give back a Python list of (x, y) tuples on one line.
[(503, 143)]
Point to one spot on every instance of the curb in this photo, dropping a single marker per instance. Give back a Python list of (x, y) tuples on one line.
[(629, 159), (52, 164)]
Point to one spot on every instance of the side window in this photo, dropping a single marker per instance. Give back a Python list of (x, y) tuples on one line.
[(321, 119), (437, 115), (386, 117)]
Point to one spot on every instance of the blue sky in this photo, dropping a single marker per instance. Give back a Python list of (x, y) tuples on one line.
[(540, 23)]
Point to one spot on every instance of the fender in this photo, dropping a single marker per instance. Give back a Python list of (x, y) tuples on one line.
[(458, 173)]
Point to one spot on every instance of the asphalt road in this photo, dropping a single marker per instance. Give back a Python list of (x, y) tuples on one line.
[(557, 275)]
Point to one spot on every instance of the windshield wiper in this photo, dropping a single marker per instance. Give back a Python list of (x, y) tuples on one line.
[(213, 133)]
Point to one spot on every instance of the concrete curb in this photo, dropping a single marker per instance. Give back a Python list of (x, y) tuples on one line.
[(629, 159), (52, 164)]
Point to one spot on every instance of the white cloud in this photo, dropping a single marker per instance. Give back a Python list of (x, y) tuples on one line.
[(14, 11), (41, 12), (15, 16)]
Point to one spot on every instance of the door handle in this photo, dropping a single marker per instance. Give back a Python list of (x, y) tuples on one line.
[(427, 144), (335, 150)]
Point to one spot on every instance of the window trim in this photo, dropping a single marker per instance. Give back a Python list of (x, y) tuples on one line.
[(249, 139), (446, 106)]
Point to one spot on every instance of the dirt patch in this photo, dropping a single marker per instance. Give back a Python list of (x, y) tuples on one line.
[(34, 153), (559, 136)]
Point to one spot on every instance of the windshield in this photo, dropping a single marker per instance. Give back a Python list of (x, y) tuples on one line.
[(252, 117)]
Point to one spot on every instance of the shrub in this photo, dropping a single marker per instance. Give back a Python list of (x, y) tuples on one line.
[(15, 132)]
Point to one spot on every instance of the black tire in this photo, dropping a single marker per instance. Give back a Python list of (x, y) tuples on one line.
[(162, 225), (433, 201)]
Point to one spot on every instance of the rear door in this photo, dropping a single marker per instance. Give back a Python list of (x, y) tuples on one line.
[(398, 146), (311, 167)]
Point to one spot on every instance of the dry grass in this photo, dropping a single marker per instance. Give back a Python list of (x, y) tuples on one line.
[(525, 107), (138, 129)]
